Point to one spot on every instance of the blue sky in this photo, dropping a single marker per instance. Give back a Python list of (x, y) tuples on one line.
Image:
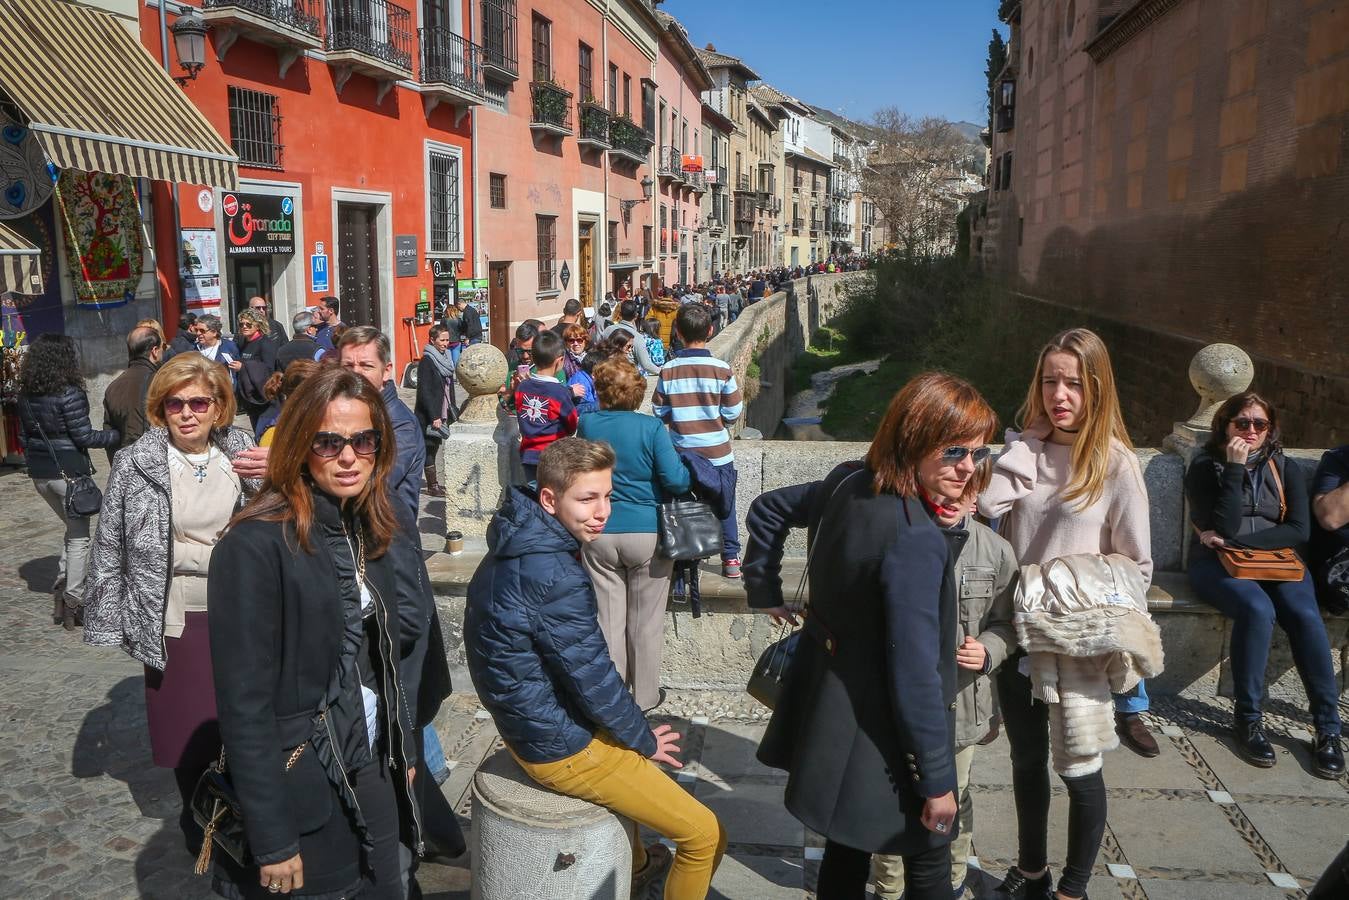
[(854, 56)]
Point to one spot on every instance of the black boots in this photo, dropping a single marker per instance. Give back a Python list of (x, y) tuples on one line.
[(1252, 744), (1327, 756)]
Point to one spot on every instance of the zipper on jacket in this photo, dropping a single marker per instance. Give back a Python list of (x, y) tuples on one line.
[(337, 757)]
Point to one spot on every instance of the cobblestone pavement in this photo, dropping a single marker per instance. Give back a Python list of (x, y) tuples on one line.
[(85, 814)]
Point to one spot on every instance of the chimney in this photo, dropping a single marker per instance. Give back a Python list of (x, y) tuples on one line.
[(711, 48)]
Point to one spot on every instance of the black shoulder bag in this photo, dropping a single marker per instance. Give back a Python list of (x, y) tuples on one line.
[(83, 498), (687, 530)]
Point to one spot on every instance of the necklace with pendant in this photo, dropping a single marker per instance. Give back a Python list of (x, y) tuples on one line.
[(199, 472)]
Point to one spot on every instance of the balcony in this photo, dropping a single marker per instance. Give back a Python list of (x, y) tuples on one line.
[(814, 228), (451, 71), (744, 209), (668, 167), (550, 108), (370, 37), (715, 225), (498, 40), (721, 176), (797, 224), (291, 26), (742, 184), (629, 142), (697, 181), (842, 160), (594, 123)]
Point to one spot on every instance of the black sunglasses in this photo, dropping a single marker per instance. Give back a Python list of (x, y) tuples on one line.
[(1260, 426), (174, 405), (328, 444), (954, 456)]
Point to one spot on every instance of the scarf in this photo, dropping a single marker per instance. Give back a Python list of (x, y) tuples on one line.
[(443, 361)]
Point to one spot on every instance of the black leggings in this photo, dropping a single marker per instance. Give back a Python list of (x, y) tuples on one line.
[(844, 872), (1027, 722)]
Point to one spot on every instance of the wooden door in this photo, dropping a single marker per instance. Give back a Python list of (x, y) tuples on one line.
[(358, 264), (585, 253), (498, 305)]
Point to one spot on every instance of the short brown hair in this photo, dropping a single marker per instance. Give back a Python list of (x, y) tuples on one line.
[(618, 384), (569, 458), (926, 416), (182, 369), (1223, 416), (360, 335), (573, 331)]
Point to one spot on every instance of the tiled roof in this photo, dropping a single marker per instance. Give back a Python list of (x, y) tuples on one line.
[(714, 60)]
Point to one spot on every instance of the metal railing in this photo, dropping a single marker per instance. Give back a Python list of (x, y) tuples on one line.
[(744, 209), (696, 180), (668, 164), (593, 119), (551, 105), (721, 176), (742, 183), (498, 36), (301, 15), (626, 136), (375, 28), (448, 58), (798, 223)]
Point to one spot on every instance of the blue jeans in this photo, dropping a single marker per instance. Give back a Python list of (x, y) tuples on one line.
[(730, 534), (434, 755), (455, 349), (1135, 701), (1254, 607)]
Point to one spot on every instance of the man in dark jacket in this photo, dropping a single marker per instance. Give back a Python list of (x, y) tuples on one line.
[(185, 339), (470, 331), (541, 667), (368, 353), (124, 400), (303, 345), (327, 321)]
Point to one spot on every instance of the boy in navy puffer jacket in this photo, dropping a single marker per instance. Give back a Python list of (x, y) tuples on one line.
[(541, 667)]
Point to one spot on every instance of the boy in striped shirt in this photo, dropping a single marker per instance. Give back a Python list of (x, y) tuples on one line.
[(697, 396)]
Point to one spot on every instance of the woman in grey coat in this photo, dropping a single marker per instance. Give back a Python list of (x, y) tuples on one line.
[(169, 497)]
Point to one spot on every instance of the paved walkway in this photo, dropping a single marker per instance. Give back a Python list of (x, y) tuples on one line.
[(84, 813)]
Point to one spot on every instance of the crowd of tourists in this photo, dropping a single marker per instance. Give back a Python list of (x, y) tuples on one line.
[(273, 586)]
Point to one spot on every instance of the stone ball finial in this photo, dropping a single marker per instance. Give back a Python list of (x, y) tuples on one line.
[(481, 371), (1220, 371)]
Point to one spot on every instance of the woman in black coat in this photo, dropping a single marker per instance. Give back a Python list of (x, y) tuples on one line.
[(57, 435), (865, 723), (436, 404), (308, 623)]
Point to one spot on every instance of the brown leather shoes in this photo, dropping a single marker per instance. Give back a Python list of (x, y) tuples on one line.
[(1133, 733)]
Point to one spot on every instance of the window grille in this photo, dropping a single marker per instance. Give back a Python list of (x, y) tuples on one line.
[(546, 229), (443, 201), (255, 128), (496, 184)]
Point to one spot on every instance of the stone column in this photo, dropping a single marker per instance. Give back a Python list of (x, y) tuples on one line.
[(481, 372), (1218, 372)]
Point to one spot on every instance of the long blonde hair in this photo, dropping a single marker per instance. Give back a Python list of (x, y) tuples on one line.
[(1104, 423)]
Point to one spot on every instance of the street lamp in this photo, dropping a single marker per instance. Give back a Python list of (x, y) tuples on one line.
[(627, 205), (189, 39)]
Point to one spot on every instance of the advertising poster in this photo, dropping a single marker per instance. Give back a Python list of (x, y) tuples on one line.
[(200, 268)]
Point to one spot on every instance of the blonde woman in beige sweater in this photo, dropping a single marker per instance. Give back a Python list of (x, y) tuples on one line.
[(1068, 483)]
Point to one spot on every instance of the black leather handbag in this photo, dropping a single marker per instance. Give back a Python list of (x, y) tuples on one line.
[(83, 498), (687, 530)]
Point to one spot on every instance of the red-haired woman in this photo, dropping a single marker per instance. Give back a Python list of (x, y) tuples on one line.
[(865, 724), (305, 644)]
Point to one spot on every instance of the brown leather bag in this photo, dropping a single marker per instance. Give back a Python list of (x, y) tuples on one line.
[(1264, 565)]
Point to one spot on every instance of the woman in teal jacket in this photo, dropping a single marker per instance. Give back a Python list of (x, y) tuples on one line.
[(631, 580)]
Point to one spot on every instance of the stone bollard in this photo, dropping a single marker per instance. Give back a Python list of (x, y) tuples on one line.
[(1218, 372), (528, 841), (481, 372)]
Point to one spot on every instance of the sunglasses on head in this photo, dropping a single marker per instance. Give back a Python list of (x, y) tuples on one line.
[(953, 456), (328, 444), (174, 405), (1259, 426)]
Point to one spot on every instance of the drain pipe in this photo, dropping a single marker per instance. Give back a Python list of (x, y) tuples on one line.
[(173, 190)]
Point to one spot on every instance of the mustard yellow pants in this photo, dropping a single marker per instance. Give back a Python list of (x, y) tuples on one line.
[(617, 778)]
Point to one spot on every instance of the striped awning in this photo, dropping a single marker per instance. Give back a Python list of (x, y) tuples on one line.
[(20, 264), (97, 100)]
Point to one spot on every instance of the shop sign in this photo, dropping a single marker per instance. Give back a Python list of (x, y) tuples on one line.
[(444, 268), (318, 272), (565, 275), (257, 224), (404, 255), (471, 284)]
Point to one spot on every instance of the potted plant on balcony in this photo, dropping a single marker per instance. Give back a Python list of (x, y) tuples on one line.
[(550, 102)]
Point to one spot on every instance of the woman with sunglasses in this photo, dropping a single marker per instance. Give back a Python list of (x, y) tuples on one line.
[(169, 496), (307, 628), (865, 723), (1244, 492), (1069, 483)]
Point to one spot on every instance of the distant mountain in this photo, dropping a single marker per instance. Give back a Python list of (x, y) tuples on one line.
[(969, 131)]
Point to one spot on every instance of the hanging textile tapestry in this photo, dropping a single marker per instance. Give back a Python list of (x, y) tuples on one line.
[(104, 242)]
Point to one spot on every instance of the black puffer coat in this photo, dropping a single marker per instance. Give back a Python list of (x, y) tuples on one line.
[(865, 723), (535, 650), (65, 420)]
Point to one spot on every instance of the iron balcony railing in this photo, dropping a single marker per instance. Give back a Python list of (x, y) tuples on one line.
[(375, 28), (302, 15), (594, 122), (630, 139), (669, 165), (551, 105), (498, 36), (744, 209), (448, 58), (696, 180), (797, 223), (721, 176), (742, 183)]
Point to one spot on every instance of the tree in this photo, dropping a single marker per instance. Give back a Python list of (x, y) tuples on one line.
[(997, 61), (915, 176)]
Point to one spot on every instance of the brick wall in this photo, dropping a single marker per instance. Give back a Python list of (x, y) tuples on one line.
[(1190, 186)]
